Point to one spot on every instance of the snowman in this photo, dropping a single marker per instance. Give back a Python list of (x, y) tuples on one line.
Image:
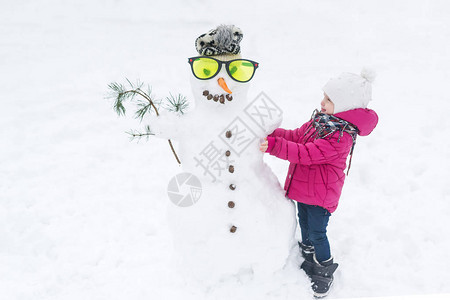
[(242, 224)]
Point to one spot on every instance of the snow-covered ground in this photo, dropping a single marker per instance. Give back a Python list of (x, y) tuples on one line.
[(82, 210)]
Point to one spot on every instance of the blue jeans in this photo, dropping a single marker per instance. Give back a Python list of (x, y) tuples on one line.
[(313, 222)]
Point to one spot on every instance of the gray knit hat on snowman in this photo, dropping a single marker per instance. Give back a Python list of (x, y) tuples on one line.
[(221, 42), (350, 91)]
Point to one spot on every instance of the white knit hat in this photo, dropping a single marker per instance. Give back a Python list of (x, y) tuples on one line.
[(350, 91)]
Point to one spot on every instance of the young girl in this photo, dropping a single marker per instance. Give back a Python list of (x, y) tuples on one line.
[(317, 152)]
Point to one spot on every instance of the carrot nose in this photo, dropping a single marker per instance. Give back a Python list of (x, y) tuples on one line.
[(223, 85)]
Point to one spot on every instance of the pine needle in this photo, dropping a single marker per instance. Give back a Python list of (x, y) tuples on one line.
[(177, 104), (121, 93), (137, 135)]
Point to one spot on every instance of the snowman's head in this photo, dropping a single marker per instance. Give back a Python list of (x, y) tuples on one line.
[(220, 76)]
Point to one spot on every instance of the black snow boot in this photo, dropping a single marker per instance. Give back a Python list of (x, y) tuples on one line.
[(322, 277), (307, 251), (308, 255)]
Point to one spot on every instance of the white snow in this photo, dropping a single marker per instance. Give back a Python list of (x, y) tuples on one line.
[(83, 210)]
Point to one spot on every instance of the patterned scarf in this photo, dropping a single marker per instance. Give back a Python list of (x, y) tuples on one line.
[(326, 125)]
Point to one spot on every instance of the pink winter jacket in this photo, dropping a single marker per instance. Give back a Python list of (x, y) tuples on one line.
[(316, 171)]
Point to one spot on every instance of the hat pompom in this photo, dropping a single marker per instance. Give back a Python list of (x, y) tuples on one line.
[(224, 35), (368, 74)]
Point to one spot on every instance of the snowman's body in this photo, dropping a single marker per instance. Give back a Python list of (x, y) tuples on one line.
[(242, 222)]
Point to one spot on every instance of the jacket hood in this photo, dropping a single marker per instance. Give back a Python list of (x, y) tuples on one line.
[(365, 119)]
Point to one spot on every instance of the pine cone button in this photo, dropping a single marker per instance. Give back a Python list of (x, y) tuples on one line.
[(209, 97), (233, 229), (229, 97), (228, 153), (231, 204), (228, 134), (205, 93), (231, 169), (232, 187)]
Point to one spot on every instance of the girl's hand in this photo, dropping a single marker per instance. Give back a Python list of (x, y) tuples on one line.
[(264, 145)]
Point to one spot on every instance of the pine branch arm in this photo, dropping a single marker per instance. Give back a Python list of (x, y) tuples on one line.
[(121, 94)]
